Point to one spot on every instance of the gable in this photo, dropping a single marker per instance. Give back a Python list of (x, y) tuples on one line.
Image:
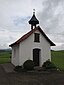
[(29, 33)]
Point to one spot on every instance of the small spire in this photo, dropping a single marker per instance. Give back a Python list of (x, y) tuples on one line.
[(33, 11), (33, 21)]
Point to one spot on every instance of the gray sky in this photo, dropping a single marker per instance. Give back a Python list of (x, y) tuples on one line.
[(15, 14)]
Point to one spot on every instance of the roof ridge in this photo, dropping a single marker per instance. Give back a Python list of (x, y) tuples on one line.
[(25, 36)]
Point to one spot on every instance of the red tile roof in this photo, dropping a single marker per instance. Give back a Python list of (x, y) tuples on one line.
[(29, 33)]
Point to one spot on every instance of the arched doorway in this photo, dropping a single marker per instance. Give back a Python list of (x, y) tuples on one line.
[(36, 56)]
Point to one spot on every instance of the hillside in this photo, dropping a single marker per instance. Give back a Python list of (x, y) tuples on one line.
[(58, 58), (5, 56)]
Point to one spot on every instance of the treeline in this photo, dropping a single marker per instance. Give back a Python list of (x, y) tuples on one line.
[(5, 50)]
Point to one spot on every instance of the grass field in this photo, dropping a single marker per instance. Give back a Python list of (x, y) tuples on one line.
[(58, 59), (5, 56)]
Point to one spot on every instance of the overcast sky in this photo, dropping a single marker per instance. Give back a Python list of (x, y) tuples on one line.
[(15, 14)]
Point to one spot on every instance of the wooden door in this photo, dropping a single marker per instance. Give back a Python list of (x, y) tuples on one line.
[(36, 55)]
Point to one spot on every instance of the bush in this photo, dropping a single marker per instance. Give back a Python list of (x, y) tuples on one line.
[(18, 68), (28, 65), (48, 65)]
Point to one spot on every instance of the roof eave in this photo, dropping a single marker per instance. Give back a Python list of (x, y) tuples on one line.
[(52, 44), (29, 33)]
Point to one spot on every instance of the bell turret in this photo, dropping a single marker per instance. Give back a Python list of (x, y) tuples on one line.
[(33, 21)]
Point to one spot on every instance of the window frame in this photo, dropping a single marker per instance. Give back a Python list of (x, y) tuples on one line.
[(36, 37)]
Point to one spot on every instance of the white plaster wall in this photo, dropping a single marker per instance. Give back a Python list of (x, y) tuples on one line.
[(26, 49), (15, 55)]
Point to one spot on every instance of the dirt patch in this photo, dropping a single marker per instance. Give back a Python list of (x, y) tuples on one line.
[(31, 78), (8, 67)]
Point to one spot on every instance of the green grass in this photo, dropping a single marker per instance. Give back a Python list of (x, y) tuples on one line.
[(58, 59), (5, 57), (4, 60)]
